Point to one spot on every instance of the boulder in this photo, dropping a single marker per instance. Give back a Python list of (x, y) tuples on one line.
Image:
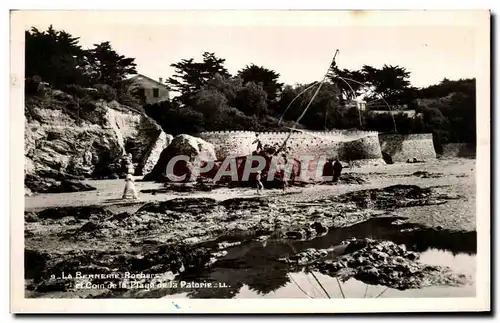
[(197, 150), (37, 184), (153, 152), (70, 187), (27, 192), (50, 181), (83, 212)]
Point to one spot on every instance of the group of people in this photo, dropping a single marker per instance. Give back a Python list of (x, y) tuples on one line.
[(332, 167), (267, 151)]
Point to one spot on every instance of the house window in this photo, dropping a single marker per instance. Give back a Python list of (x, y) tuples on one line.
[(156, 92), (141, 93)]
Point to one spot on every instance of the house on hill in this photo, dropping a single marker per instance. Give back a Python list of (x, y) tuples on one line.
[(358, 103), (409, 113), (149, 90)]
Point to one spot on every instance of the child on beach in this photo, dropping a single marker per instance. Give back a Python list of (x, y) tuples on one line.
[(258, 178), (129, 187)]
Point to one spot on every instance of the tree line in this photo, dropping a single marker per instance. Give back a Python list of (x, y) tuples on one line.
[(56, 57), (210, 98)]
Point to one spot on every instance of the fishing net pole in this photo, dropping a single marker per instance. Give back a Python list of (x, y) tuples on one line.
[(354, 96), (319, 84), (381, 98), (295, 98), (332, 64)]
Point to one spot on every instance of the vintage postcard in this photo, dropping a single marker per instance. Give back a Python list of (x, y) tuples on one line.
[(250, 161)]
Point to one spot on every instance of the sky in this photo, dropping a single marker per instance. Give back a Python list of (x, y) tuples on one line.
[(299, 48)]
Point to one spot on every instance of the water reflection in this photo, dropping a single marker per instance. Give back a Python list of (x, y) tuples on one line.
[(251, 270)]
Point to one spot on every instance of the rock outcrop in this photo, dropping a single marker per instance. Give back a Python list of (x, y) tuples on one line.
[(39, 184), (395, 196), (66, 136), (153, 152), (376, 262), (388, 264), (196, 149)]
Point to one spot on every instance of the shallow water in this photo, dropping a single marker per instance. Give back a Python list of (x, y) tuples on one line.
[(251, 270)]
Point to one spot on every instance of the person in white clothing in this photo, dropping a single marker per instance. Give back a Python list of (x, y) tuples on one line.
[(129, 187)]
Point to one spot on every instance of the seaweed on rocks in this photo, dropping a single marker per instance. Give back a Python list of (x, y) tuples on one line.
[(83, 212), (191, 205), (391, 197), (386, 263)]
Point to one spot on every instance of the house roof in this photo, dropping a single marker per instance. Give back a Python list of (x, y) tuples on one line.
[(150, 79)]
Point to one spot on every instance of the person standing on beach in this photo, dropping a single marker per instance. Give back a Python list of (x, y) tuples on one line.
[(337, 170), (328, 168), (130, 165), (129, 187), (127, 165)]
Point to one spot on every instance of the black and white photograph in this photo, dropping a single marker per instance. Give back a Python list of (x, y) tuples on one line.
[(267, 155)]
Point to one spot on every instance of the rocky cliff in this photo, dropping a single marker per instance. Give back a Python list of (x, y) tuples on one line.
[(69, 138), (153, 152)]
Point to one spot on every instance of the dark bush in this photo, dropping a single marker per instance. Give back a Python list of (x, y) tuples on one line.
[(128, 99), (32, 85), (105, 92), (78, 91)]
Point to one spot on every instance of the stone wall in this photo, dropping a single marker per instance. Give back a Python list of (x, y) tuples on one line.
[(463, 150), (346, 145), (230, 143), (403, 147)]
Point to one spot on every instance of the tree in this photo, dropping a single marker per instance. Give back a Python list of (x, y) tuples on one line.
[(57, 58), (209, 102), (226, 104), (391, 82), (456, 103), (191, 76), (174, 119), (251, 100), (436, 123), (343, 79), (268, 78), (54, 56), (108, 66), (228, 86), (325, 109)]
